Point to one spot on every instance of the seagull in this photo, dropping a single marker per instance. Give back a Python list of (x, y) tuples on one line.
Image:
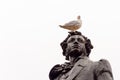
[(73, 25)]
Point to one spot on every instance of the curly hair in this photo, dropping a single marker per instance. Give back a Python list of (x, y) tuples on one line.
[(88, 44)]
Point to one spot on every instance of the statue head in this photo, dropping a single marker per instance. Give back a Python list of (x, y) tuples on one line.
[(76, 45)]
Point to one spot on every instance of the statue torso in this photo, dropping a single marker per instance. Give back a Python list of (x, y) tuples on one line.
[(81, 69)]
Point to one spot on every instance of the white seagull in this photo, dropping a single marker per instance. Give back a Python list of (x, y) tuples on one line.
[(73, 25)]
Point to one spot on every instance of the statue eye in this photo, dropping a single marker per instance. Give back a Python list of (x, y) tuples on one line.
[(80, 40), (71, 40)]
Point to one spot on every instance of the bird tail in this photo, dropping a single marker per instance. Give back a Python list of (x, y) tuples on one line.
[(61, 26)]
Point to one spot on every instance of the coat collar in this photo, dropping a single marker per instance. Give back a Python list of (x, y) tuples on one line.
[(79, 65), (83, 61)]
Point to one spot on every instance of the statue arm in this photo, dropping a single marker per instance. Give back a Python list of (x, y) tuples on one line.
[(103, 70), (105, 76)]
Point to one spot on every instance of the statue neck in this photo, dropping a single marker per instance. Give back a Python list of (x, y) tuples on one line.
[(73, 60)]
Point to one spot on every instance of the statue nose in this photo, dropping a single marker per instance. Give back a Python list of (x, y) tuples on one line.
[(75, 42)]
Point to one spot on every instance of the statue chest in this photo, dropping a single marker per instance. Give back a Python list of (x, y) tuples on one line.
[(82, 70)]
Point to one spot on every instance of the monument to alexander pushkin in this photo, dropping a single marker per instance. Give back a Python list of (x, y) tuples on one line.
[(76, 49)]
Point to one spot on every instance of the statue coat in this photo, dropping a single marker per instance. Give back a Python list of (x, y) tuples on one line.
[(84, 69)]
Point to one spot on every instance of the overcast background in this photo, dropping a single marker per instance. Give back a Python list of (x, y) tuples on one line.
[(30, 36)]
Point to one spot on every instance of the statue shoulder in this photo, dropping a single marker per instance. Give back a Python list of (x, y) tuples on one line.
[(59, 69), (55, 71), (103, 65)]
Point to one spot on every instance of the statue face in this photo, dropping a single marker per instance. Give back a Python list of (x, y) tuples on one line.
[(75, 45)]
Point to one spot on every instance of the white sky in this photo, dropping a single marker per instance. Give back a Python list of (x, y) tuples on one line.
[(30, 36)]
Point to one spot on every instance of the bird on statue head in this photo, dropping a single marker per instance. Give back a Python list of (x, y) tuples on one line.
[(73, 25)]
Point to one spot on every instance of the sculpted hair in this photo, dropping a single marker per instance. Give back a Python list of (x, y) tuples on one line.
[(88, 44)]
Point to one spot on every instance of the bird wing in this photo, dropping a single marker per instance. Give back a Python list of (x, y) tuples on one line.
[(72, 23)]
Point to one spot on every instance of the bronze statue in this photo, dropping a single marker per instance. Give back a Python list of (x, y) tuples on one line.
[(76, 49)]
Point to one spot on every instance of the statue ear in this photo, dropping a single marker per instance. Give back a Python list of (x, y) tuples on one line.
[(88, 46)]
